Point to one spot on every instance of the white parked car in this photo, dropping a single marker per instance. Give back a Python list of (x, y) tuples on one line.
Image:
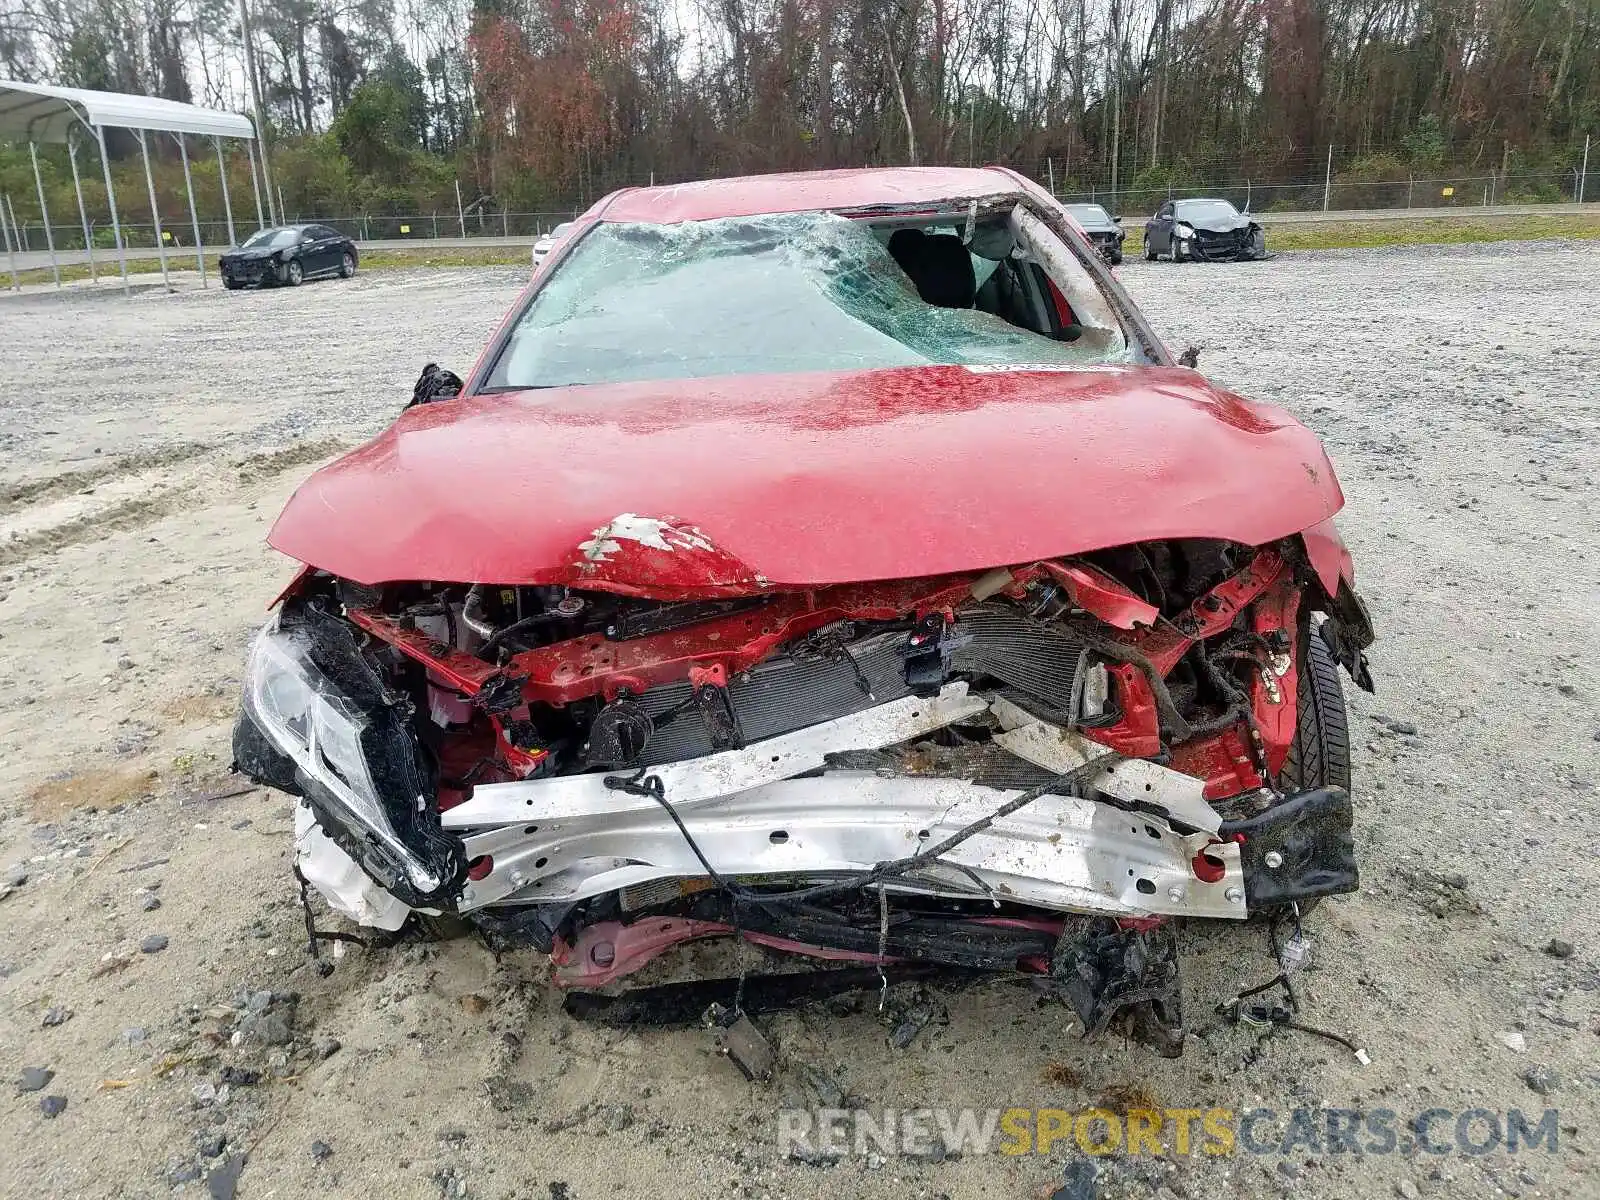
[(546, 242)]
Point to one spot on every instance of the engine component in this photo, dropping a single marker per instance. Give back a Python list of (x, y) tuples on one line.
[(619, 735), (812, 682)]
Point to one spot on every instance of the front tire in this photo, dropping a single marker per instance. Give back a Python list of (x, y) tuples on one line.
[(347, 265), (1115, 258), (293, 272), (233, 285), (1319, 755)]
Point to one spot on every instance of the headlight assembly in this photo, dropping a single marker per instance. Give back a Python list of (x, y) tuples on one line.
[(312, 721), (1183, 230)]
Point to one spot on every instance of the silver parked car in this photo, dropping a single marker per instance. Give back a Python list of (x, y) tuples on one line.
[(546, 242)]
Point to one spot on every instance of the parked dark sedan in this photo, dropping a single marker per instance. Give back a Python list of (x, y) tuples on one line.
[(289, 254), (1104, 230), (1210, 230)]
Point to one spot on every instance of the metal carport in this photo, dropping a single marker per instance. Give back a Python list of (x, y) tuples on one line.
[(36, 112)]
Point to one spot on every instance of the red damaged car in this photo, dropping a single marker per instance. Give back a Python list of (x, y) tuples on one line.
[(838, 561)]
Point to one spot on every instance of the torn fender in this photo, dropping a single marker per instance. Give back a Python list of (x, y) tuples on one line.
[(1329, 557), (729, 486)]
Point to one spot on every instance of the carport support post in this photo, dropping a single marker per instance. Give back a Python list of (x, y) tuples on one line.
[(194, 218), (44, 215), (11, 254), (1327, 180), (111, 199), (155, 211), (227, 203), (255, 184), (460, 215), (1584, 178), (83, 216)]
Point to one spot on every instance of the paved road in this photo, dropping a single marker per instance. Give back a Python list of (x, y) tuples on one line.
[(183, 257)]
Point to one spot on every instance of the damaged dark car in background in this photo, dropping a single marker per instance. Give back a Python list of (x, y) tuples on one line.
[(1203, 231), (837, 562), (1104, 230)]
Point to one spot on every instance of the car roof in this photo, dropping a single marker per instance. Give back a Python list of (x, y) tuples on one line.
[(802, 191)]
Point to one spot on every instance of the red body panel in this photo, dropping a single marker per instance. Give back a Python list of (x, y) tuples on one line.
[(802, 191), (801, 481), (1329, 558)]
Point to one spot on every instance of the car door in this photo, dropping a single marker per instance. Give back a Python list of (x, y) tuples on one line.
[(336, 243), (309, 252), (333, 247), (314, 250), (1158, 234)]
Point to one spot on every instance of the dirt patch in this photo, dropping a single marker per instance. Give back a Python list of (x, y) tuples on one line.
[(101, 788), (199, 708)]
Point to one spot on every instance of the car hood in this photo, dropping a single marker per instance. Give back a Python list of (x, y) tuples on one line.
[(249, 255), (1219, 224), (732, 485), (1092, 225)]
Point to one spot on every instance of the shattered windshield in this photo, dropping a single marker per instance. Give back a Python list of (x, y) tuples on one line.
[(272, 237), (1207, 210), (1089, 214), (777, 293)]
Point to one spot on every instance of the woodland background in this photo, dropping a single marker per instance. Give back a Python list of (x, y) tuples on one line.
[(381, 108)]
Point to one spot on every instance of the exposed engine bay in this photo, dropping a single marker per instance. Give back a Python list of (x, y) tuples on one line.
[(1031, 768)]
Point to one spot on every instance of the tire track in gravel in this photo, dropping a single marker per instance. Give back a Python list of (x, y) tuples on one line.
[(44, 516), (32, 491)]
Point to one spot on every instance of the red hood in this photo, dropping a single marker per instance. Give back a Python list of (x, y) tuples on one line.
[(730, 485)]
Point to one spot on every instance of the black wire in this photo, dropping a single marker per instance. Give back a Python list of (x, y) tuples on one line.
[(498, 638), (315, 935), (1277, 957)]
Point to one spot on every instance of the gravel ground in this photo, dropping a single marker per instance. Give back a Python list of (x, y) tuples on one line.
[(150, 936)]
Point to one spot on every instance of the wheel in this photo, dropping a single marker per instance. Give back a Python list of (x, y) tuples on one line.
[(233, 285), (1149, 249), (1115, 258), (1180, 251), (1319, 756), (293, 272), (347, 265)]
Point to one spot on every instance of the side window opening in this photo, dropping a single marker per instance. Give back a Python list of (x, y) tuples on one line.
[(1006, 279)]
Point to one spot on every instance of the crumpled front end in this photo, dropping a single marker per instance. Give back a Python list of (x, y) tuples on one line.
[(1032, 768), (1242, 244)]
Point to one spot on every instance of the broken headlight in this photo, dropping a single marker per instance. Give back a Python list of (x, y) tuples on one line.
[(308, 718), (1183, 231)]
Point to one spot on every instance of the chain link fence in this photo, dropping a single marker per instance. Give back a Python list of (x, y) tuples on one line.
[(1345, 194), (1340, 192)]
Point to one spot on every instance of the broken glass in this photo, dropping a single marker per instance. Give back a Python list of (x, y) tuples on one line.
[(788, 292)]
